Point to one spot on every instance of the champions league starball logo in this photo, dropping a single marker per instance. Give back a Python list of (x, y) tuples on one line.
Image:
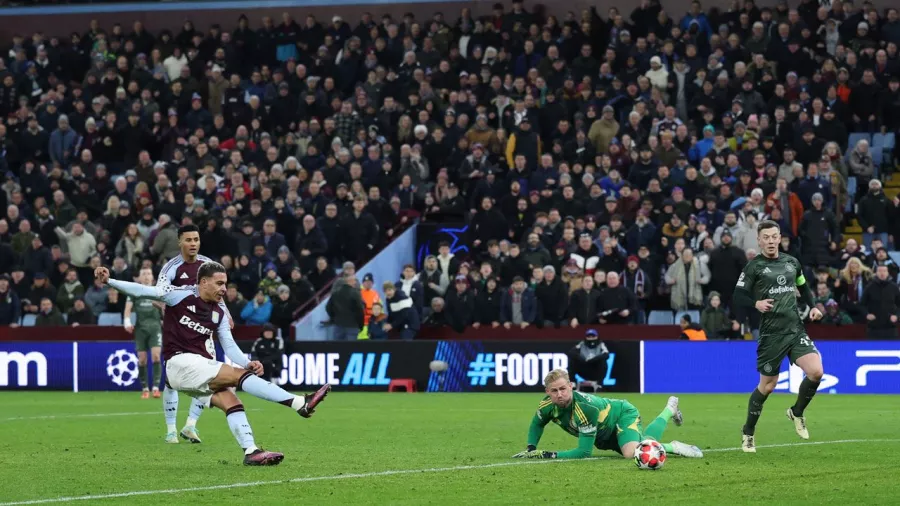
[(122, 368)]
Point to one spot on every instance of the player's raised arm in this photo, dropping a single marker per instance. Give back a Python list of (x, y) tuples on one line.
[(170, 296), (231, 349)]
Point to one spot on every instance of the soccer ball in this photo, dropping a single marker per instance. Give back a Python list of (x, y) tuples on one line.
[(650, 455), (122, 368)]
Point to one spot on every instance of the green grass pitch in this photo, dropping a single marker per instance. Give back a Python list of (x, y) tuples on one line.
[(440, 449)]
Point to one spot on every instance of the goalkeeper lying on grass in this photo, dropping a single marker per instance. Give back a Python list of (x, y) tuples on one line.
[(608, 424)]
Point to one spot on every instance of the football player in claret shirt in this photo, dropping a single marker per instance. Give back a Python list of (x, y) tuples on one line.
[(769, 283), (193, 316), (607, 424)]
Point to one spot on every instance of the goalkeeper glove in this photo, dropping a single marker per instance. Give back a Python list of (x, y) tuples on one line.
[(532, 453)]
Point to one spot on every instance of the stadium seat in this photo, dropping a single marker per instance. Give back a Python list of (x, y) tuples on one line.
[(28, 320), (877, 159), (402, 385), (895, 256), (660, 318), (110, 319), (693, 313), (885, 142)]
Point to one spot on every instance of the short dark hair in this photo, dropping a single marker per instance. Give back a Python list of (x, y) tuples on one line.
[(767, 224), (187, 228), (208, 269)]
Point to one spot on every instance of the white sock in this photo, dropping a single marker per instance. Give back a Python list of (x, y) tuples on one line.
[(254, 385), (196, 410), (170, 406), (240, 428), (170, 427)]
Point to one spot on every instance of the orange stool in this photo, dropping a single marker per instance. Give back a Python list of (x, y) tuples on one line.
[(402, 385)]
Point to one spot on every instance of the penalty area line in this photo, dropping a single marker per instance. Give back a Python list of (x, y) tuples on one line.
[(375, 474), (86, 415)]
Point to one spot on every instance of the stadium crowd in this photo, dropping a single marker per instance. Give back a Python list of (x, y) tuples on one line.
[(605, 164)]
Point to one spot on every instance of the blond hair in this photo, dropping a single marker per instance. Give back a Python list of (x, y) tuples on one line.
[(555, 375)]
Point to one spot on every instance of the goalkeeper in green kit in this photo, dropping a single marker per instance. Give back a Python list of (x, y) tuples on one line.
[(769, 283), (607, 424)]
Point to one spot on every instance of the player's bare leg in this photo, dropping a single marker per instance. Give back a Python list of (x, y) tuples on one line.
[(235, 377), (228, 402), (811, 363), (754, 409)]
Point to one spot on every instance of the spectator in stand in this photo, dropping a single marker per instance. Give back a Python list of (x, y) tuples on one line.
[(617, 303), (402, 316), (257, 311), (282, 310), (583, 304), (873, 215), (687, 276), (346, 309), (834, 316), (48, 315), (881, 303), (519, 305), (410, 285), (459, 304), (715, 321), (70, 290), (849, 287), (10, 306), (234, 301), (553, 299), (818, 234), (80, 314)]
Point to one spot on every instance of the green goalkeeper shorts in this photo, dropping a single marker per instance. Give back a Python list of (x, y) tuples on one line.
[(771, 351), (144, 339), (628, 430)]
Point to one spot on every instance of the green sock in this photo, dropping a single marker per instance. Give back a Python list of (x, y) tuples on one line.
[(668, 448), (142, 372), (754, 409), (157, 374), (808, 389), (658, 425)]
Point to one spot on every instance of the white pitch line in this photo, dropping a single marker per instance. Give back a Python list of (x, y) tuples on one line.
[(86, 415), (81, 415), (376, 474)]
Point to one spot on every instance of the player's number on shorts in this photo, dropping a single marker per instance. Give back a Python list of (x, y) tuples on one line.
[(806, 341)]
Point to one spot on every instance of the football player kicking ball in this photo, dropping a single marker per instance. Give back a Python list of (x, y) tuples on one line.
[(193, 316), (769, 283), (181, 270), (607, 424)]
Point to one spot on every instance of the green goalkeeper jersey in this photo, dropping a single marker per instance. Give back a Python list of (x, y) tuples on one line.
[(588, 418), (777, 279)]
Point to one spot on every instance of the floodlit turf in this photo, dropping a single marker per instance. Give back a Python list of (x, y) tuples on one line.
[(64, 445)]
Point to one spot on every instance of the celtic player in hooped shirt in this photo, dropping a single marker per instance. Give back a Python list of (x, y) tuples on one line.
[(769, 283), (607, 424)]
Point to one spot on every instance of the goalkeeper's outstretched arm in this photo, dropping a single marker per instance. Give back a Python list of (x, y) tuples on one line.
[(587, 431)]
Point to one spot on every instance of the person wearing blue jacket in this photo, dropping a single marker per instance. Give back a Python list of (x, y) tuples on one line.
[(64, 142), (401, 313), (377, 322), (697, 16), (519, 305), (258, 311)]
